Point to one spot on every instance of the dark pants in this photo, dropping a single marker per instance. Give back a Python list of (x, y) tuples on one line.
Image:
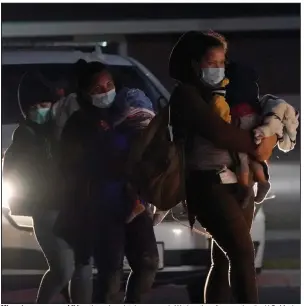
[(65, 267), (137, 241), (217, 209)]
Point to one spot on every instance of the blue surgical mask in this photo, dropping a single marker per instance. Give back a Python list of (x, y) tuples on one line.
[(213, 76), (104, 100), (40, 115)]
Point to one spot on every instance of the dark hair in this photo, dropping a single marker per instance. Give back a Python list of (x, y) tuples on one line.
[(237, 71), (243, 84), (220, 38), (192, 46), (33, 89), (85, 72)]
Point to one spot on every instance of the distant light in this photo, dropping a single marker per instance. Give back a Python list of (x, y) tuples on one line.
[(104, 43), (177, 231)]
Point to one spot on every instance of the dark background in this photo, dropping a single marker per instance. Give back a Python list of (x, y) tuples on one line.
[(275, 54)]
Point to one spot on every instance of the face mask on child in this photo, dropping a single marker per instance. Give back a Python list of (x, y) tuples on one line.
[(213, 76)]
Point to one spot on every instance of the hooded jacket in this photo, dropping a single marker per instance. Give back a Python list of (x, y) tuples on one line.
[(29, 161)]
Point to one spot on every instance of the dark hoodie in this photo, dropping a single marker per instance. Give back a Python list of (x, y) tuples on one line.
[(95, 145), (103, 136), (192, 117), (31, 151)]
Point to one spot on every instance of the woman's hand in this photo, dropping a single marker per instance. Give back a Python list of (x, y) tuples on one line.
[(265, 148)]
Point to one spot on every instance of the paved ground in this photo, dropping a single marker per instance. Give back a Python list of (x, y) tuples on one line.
[(271, 295), (284, 212), (281, 235), (282, 250), (275, 287), (178, 295)]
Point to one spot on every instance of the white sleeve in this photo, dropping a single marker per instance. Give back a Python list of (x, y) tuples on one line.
[(272, 125), (281, 120), (291, 122), (285, 144), (273, 121), (62, 111)]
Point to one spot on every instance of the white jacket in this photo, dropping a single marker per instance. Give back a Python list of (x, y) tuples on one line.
[(279, 118)]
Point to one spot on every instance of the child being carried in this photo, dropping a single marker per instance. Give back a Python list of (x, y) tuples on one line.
[(238, 102)]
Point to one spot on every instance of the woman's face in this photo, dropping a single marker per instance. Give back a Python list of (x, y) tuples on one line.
[(102, 83), (214, 58)]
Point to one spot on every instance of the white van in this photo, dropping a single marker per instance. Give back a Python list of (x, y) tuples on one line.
[(183, 255)]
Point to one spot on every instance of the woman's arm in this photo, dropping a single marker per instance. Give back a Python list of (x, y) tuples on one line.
[(63, 110), (199, 115)]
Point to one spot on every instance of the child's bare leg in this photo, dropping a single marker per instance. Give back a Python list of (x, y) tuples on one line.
[(137, 210), (243, 178), (263, 184)]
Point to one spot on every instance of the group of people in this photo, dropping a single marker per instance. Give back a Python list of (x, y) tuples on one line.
[(74, 152)]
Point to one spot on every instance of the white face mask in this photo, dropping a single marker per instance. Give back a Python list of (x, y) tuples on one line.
[(104, 100), (213, 76)]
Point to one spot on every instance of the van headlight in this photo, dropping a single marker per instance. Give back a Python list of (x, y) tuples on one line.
[(7, 193)]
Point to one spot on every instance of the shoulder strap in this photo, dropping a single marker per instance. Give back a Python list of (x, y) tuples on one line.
[(141, 143), (168, 114), (234, 155), (181, 145)]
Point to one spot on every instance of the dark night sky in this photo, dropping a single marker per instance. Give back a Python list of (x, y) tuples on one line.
[(140, 11)]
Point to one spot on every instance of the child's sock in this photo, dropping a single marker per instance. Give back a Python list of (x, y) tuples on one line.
[(262, 191), (137, 210)]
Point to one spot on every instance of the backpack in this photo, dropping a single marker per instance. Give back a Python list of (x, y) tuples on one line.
[(155, 167), (24, 186)]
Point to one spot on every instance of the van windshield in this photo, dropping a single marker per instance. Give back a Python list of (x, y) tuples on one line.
[(60, 75)]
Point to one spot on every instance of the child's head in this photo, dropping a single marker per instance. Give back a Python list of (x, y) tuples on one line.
[(199, 56), (35, 97), (243, 86)]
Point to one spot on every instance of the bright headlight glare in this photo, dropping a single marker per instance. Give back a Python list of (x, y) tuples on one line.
[(7, 193)]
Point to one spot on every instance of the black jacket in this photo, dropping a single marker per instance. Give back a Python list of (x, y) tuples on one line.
[(30, 166)]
